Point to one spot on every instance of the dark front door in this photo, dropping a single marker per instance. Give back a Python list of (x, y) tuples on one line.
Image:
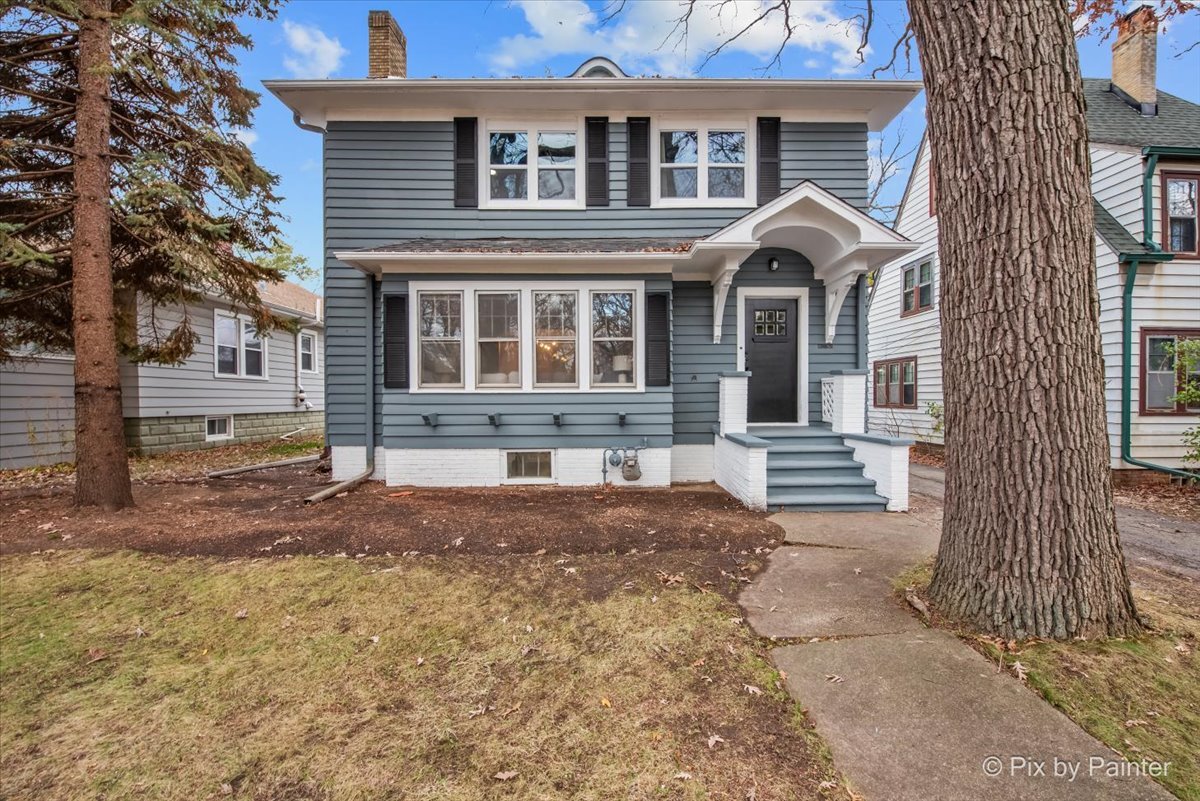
[(770, 338)]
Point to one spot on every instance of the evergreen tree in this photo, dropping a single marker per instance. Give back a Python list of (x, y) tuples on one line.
[(123, 189)]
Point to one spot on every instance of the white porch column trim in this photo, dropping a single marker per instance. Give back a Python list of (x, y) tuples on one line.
[(733, 393), (846, 393)]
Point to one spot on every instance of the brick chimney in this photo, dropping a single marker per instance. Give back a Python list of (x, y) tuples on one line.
[(387, 49), (1134, 60)]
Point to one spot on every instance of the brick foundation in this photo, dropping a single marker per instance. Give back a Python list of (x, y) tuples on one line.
[(147, 435)]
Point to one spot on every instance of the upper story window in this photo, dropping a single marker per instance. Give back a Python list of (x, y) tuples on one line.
[(700, 165), (1182, 213), (532, 165), (918, 288), (239, 350)]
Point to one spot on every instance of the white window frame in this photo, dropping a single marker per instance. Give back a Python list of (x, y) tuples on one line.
[(316, 369), (242, 321), (466, 366), (592, 338), (537, 338), (504, 478), (478, 340), (583, 342), (219, 437), (702, 127), (530, 128)]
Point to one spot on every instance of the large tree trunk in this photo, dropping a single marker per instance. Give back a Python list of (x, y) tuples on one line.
[(1029, 540), (101, 466)]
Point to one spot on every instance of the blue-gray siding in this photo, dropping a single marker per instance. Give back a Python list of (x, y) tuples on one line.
[(527, 418), (698, 362), (386, 181)]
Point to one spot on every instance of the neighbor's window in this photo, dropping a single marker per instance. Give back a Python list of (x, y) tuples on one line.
[(499, 340), (218, 428), (529, 465), (918, 288), (550, 172), (896, 383), (612, 339), (227, 345), (440, 333), (240, 349), (554, 323), (702, 164), (1163, 375), (308, 353), (253, 355), (1182, 213)]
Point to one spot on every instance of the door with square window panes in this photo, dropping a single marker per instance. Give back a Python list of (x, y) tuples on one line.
[(772, 359)]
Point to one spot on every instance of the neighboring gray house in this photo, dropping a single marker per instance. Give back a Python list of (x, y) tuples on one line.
[(1144, 145), (235, 387), (524, 276)]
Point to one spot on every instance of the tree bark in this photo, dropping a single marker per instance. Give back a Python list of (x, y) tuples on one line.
[(101, 465), (1029, 539)]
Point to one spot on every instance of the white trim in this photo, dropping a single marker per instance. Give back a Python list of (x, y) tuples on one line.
[(583, 341), (531, 128), (702, 126), (305, 332), (505, 478), (228, 418), (242, 321), (800, 295)]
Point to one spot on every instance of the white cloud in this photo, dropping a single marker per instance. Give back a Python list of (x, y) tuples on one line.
[(315, 55), (246, 136), (645, 37)]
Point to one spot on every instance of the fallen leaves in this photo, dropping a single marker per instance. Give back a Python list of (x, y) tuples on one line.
[(833, 678), (506, 775), (713, 739), (751, 689), (241, 614)]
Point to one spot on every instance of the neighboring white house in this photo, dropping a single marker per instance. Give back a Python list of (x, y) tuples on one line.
[(235, 387), (1143, 143)]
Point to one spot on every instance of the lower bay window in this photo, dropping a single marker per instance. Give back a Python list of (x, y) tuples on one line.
[(896, 383), (1164, 375), (527, 337)]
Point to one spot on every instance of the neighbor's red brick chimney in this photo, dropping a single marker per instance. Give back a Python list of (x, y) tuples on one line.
[(1135, 59), (387, 49)]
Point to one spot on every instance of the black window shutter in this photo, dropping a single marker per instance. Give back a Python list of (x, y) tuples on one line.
[(639, 161), (768, 159), (395, 341), (466, 170), (597, 161), (658, 339)]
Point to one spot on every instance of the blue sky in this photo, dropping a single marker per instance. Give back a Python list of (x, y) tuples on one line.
[(465, 38)]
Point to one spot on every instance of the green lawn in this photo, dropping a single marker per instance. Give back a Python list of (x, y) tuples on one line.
[(127, 675)]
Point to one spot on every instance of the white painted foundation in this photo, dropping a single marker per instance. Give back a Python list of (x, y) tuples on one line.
[(484, 467), (350, 460), (691, 463)]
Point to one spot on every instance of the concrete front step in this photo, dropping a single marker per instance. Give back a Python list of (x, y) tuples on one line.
[(822, 449), (806, 479), (810, 463)]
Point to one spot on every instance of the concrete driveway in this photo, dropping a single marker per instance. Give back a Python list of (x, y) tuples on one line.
[(1149, 539)]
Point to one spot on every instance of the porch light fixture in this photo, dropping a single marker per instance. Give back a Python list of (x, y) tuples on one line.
[(772, 264)]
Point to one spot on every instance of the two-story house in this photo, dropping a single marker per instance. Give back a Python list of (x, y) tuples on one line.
[(601, 278), (1145, 154)]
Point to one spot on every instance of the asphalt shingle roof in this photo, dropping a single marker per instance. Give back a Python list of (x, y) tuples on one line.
[(538, 245), (1114, 234), (1112, 121)]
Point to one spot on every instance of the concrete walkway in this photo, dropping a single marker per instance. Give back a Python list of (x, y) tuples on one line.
[(910, 712)]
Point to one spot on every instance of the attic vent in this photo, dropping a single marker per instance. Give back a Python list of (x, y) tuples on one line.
[(599, 67)]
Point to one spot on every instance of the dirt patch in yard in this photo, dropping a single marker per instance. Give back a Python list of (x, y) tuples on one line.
[(262, 514)]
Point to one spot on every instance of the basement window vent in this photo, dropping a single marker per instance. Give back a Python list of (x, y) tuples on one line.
[(529, 466), (216, 428)]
